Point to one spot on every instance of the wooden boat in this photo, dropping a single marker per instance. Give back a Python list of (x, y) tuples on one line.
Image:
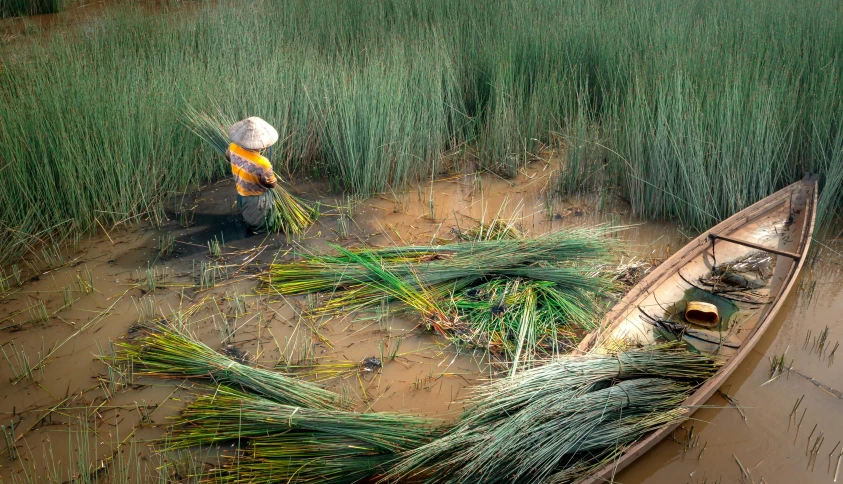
[(745, 265)]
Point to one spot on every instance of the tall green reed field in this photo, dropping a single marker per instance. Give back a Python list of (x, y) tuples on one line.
[(715, 105), (12, 8), (690, 111)]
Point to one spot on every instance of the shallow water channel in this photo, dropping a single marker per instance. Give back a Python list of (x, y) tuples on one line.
[(74, 306)]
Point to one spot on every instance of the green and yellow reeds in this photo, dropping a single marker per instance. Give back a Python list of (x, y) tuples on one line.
[(413, 292), (556, 423), (166, 353), (524, 257), (230, 415), (292, 215), (296, 444), (560, 420), (303, 458), (519, 297)]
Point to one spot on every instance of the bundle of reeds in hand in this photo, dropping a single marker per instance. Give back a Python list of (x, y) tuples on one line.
[(291, 215)]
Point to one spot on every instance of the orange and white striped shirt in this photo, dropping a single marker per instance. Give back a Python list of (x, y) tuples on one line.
[(252, 172)]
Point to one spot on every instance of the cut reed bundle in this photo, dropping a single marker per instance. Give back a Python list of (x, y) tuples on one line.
[(528, 257), (515, 317), (291, 215), (228, 414), (543, 440), (166, 353), (496, 229), (413, 293), (303, 458), (524, 317), (520, 297), (560, 420), (577, 374), (326, 272), (295, 444)]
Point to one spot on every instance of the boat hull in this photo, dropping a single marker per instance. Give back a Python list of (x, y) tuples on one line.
[(783, 222)]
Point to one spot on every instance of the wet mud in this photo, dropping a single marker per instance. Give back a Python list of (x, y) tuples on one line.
[(61, 327)]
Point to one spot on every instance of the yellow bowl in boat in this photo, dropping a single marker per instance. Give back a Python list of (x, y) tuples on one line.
[(702, 314)]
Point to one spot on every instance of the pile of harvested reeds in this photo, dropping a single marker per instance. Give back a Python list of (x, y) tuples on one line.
[(559, 421), (291, 215), (302, 457), (229, 414), (290, 443), (521, 297), (286, 429), (164, 352), (543, 257), (555, 422)]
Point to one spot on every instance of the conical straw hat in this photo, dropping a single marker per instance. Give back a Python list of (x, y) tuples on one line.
[(253, 133)]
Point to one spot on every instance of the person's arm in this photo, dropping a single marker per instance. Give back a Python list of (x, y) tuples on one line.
[(228, 154), (268, 179)]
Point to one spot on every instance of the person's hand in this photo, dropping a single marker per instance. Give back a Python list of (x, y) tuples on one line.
[(269, 180)]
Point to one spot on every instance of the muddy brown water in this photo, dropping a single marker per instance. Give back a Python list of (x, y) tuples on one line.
[(770, 444), (427, 377)]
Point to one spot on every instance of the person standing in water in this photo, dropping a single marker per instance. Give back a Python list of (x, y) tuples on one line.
[(252, 172)]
